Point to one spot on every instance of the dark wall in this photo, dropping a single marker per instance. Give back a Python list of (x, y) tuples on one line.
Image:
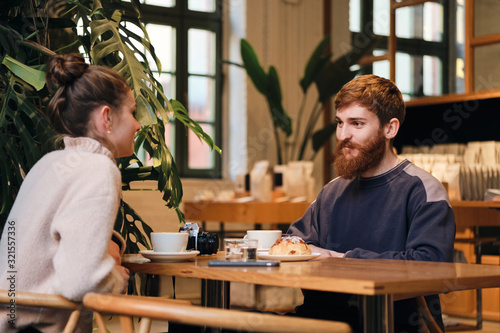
[(460, 122)]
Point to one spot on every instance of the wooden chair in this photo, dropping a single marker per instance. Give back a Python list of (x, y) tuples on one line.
[(149, 308), (425, 314), (44, 301)]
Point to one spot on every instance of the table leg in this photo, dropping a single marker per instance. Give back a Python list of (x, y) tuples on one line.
[(479, 292), (378, 314), (215, 294)]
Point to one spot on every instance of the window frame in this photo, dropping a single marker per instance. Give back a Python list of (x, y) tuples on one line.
[(414, 46), (182, 19)]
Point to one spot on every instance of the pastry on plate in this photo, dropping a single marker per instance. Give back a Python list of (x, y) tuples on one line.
[(290, 245)]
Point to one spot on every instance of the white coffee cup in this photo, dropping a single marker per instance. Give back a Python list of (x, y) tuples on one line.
[(169, 241), (266, 238)]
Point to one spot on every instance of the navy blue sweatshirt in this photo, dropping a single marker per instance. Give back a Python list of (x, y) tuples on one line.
[(402, 214)]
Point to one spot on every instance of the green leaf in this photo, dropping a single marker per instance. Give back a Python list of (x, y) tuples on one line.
[(133, 224), (333, 77), (107, 42), (274, 98), (274, 91), (34, 77), (180, 113), (316, 63), (253, 67), (25, 135), (319, 138), (9, 43)]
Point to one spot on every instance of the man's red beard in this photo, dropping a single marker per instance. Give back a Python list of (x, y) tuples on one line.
[(368, 157)]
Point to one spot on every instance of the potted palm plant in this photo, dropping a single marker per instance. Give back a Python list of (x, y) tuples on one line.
[(328, 77)]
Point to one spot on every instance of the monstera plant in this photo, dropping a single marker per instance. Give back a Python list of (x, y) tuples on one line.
[(33, 30), (328, 77)]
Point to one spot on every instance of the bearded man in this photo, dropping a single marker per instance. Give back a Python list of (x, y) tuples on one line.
[(379, 206)]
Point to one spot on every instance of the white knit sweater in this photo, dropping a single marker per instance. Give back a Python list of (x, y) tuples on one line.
[(58, 231)]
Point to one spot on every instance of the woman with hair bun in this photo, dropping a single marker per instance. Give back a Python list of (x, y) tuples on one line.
[(62, 220)]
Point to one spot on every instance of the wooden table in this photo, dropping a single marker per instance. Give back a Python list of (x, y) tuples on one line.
[(378, 281), (468, 214), (245, 212), (255, 213), (472, 214)]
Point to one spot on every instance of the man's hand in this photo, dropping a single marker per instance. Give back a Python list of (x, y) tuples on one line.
[(326, 253)]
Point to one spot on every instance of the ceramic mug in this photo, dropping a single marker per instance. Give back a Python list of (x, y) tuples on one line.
[(266, 238), (169, 241)]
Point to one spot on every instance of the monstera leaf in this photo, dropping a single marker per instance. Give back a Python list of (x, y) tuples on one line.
[(136, 74), (148, 92), (105, 37), (114, 45), (25, 134)]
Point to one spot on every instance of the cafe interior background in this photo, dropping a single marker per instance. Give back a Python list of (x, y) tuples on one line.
[(452, 104), (447, 66)]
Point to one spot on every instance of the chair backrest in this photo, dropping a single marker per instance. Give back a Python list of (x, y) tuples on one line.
[(44, 301), (430, 324), (157, 308)]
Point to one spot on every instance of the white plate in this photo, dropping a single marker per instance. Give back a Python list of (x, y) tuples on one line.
[(169, 256), (299, 257)]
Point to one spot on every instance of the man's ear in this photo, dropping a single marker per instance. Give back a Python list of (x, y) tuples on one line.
[(391, 128)]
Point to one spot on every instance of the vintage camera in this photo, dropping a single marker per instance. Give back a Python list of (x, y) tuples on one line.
[(203, 241)]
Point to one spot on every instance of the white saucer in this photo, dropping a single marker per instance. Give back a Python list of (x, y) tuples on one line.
[(299, 257), (169, 256)]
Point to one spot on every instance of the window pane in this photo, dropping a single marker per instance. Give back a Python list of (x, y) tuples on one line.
[(405, 23), (168, 83), (202, 5), (460, 24), (414, 75), (381, 17), (433, 76), (163, 39), (355, 15), (433, 22), (200, 156), (405, 72), (161, 3), (381, 68), (422, 22), (460, 50), (201, 52), (201, 98)]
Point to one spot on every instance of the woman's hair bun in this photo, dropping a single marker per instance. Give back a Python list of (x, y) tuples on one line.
[(64, 69)]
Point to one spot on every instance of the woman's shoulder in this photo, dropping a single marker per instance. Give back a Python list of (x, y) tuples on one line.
[(76, 166)]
